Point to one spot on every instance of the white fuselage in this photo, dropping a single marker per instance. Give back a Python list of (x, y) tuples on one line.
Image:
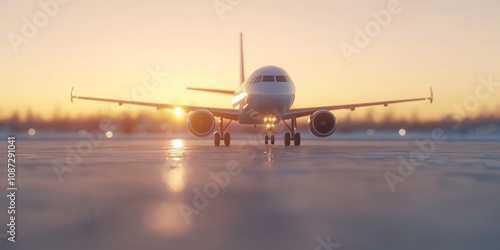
[(268, 92)]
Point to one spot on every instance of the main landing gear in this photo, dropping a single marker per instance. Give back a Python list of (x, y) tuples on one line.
[(292, 135), (221, 135)]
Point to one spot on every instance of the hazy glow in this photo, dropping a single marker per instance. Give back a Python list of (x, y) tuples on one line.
[(104, 48), (163, 220), (370, 131), (174, 178)]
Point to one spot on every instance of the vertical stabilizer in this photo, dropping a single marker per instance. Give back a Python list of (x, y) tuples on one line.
[(242, 61)]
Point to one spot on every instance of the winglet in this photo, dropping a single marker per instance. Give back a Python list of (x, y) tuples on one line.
[(432, 96), (72, 91)]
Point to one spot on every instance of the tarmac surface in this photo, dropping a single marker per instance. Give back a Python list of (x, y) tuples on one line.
[(188, 194)]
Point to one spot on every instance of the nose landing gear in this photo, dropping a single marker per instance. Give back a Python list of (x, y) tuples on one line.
[(269, 121), (268, 139)]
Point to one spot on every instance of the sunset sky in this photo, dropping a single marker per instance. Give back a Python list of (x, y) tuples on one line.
[(104, 48)]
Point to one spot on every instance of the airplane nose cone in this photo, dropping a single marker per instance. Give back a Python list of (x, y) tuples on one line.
[(268, 104)]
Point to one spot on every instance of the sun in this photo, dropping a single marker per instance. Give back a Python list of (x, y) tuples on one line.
[(178, 112)]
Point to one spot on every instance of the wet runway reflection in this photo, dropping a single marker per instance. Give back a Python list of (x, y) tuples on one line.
[(173, 173), (270, 157)]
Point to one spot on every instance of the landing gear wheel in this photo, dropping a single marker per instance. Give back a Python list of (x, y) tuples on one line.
[(217, 138), (272, 139), (227, 139), (266, 139), (296, 139), (287, 139)]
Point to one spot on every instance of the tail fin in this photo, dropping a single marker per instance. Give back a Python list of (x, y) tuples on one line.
[(242, 61)]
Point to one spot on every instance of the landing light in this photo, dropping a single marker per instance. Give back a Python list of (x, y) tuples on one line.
[(269, 119)]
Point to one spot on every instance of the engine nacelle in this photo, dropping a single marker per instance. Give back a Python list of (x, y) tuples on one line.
[(322, 123), (201, 123)]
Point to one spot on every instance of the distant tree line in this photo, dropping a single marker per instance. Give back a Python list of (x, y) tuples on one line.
[(146, 122)]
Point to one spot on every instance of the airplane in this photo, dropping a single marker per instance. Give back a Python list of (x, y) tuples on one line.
[(264, 98)]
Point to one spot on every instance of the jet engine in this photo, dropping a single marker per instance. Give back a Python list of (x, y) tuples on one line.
[(201, 123), (322, 123)]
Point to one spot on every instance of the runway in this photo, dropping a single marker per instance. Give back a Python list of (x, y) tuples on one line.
[(188, 194)]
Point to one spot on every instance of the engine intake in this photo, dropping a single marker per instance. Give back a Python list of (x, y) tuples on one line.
[(201, 123), (322, 123)]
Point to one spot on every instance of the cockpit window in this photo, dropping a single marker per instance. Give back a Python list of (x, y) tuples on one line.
[(268, 79), (257, 79), (281, 79)]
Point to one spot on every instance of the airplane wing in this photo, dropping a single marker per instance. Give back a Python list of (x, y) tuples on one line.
[(295, 113), (231, 114), (218, 91)]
